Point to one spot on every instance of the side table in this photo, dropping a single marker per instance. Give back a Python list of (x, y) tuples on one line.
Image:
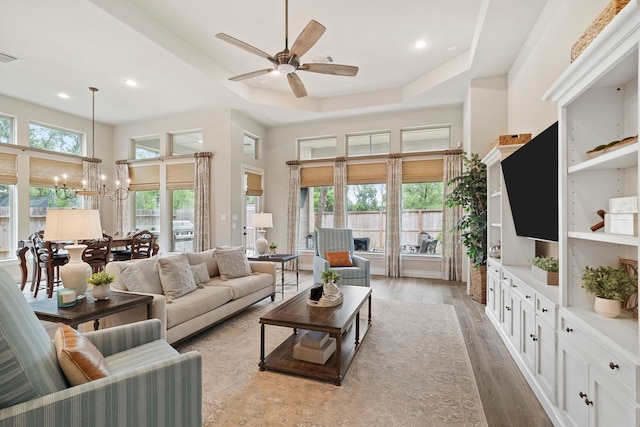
[(281, 258), (88, 308)]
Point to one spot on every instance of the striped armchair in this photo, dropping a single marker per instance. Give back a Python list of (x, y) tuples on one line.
[(339, 240), (149, 382)]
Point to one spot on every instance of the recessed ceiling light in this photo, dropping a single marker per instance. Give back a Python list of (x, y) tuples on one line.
[(420, 44), (63, 95), (131, 83)]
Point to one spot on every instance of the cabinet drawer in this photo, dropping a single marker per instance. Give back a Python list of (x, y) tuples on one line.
[(546, 310), (617, 369), (524, 291)]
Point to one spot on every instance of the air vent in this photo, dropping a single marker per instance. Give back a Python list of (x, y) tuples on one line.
[(323, 60), (4, 57)]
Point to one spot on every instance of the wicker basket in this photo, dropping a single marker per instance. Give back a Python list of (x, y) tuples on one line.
[(479, 284), (612, 9)]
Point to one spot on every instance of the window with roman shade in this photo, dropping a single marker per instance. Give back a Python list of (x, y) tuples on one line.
[(43, 171), (144, 178), (254, 184), (8, 169), (180, 176)]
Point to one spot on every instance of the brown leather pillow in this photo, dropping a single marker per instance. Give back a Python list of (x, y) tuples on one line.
[(339, 259), (79, 359)]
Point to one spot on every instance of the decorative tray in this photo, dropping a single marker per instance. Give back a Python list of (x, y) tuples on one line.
[(325, 302)]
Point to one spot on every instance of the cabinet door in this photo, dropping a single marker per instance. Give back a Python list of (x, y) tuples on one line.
[(505, 307), (608, 405), (573, 385), (493, 293), (545, 361), (529, 336)]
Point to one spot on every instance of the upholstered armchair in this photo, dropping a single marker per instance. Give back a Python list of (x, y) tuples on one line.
[(148, 383), (338, 241)]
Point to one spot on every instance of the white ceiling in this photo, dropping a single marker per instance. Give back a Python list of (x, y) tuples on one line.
[(169, 48)]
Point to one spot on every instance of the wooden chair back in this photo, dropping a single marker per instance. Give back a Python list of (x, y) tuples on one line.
[(97, 253), (142, 244)]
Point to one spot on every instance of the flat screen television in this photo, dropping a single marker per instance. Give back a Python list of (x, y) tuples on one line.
[(531, 179)]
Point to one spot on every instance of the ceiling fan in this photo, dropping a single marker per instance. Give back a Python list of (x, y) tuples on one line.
[(288, 61)]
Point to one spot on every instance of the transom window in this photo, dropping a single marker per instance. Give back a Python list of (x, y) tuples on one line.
[(55, 139), (317, 148), (185, 143), (147, 147), (250, 146), (368, 144), (425, 139), (6, 130)]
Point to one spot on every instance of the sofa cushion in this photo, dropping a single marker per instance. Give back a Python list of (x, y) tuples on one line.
[(79, 359), (137, 280), (176, 276), (200, 273), (199, 302), (242, 286), (28, 363), (208, 258), (232, 263)]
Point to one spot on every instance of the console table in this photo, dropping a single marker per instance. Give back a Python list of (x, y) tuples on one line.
[(281, 258)]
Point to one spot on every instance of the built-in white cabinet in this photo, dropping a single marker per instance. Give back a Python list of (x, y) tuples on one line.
[(584, 368)]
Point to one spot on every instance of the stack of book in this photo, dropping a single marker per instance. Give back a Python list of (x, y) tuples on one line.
[(622, 217), (315, 347)]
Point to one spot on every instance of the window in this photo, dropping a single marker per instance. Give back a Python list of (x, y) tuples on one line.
[(183, 203), (316, 211), (317, 148), (147, 147), (425, 139), (250, 146), (52, 139), (7, 222), (366, 214), (6, 130), (184, 143), (147, 216), (422, 207), (42, 198), (368, 144)]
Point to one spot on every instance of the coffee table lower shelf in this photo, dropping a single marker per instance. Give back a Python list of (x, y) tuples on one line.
[(281, 359)]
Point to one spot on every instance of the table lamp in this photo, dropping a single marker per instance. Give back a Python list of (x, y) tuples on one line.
[(73, 225), (262, 221)]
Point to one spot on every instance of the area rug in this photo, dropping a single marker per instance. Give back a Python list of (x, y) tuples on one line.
[(412, 370)]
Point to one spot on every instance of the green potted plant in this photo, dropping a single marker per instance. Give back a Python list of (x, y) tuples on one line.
[(101, 281), (545, 269), (272, 247), (470, 193), (611, 286), (329, 278)]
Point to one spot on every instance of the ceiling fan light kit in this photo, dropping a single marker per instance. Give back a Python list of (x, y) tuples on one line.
[(288, 61)]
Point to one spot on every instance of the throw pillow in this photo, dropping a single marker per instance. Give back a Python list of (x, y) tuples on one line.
[(176, 276), (208, 258), (339, 259), (79, 359), (137, 281), (200, 273), (232, 263)]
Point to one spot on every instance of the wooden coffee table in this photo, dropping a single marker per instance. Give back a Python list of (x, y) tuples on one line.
[(342, 322), (89, 309)]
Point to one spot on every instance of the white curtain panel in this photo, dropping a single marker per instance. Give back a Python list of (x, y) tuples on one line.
[(451, 267), (339, 190), (293, 210), (201, 228), (122, 225), (91, 173), (393, 264)]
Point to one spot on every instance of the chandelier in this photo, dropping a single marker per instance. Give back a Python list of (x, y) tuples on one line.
[(65, 192)]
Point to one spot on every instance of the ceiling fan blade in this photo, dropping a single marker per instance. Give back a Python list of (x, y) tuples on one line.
[(335, 69), (251, 74), (296, 85), (307, 38), (245, 46)]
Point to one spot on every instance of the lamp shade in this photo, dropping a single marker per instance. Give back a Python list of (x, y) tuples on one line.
[(72, 224), (262, 220)]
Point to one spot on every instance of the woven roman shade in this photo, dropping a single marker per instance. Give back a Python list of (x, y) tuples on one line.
[(144, 178), (422, 171), (42, 172), (8, 169), (180, 176), (367, 173), (254, 184), (316, 176)]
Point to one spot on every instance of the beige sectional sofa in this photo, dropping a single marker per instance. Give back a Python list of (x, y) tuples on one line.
[(185, 311)]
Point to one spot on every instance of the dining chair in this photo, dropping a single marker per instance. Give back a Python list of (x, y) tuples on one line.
[(49, 259), (97, 253), (123, 254), (142, 244)]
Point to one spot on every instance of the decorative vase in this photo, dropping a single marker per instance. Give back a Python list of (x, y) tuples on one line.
[(101, 292), (330, 290), (495, 250), (607, 307)]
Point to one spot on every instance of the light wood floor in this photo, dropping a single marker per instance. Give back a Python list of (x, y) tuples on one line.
[(506, 397)]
